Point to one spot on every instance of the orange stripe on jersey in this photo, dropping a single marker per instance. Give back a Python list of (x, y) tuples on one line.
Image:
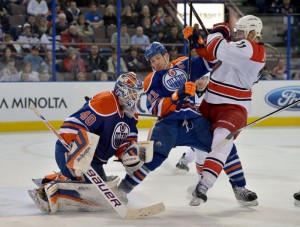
[(214, 166), (167, 107), (174, 62), (147, 81), (229, 91), (259, 52), (105, 103), (73, 126), (212, 46), (233, 168), (202, 52)]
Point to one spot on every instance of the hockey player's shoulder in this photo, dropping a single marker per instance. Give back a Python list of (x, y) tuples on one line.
[(104, 103), (259, 52)]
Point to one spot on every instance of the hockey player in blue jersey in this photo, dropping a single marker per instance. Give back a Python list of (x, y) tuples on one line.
[(113, 117), (171, 97)]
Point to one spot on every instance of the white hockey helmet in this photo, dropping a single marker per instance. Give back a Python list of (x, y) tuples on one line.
[(129, 89), (249, 23)]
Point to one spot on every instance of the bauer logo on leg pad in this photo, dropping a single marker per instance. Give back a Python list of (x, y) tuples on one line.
[(82, 151)]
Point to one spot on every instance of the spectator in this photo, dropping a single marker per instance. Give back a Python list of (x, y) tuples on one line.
[(136, 7), (73, 64), (145, 13), (26, 39), (140, 40), (153, 6), (113, 63), (81, 76), (27, 69), (265, 73), (62, 24), (175, 37), (286, 7), (74, 10), (125, 39), (110, 18), (42, 25), (4, 20), (25, 77), (128, 17), (158, 37), (71, 38), (158, 20), (36, 7), (169, 24), (10, 72), (274, 7), (47, 64), (173, 53), (31, 20), (280, 69), (295, 76), (34, 58), (44, 75), (46, 43), (148, 29), (8, 42), (260, 6), (5, 57), (95, 61), (84, 27), (135, 62), (102, 76), (95, 18)]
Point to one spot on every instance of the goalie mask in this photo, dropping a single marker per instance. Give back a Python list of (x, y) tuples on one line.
[(129, 89), (249, 23)]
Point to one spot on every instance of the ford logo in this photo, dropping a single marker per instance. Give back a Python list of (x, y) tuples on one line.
[(284, 96)]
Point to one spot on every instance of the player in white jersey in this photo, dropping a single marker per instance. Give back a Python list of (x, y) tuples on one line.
[(227, 101)]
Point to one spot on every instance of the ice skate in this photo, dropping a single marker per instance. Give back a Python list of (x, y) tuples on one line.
[(199, 195), (39, 197), (121, 192), (245, 196), (297, 199), (182, 165)]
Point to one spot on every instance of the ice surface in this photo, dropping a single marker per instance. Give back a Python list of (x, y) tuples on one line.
[(270, 157)]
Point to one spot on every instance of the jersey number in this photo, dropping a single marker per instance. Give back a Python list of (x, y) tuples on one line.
[(88, 118)]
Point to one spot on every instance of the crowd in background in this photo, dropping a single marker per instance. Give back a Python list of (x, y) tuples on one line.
[(79, 52)]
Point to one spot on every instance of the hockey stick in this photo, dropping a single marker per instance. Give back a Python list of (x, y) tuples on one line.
[(198, 18), (190, 39), (232, 134), (104, 190)]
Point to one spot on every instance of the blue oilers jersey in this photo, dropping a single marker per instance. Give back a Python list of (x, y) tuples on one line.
[(102, 115), (160, 85)]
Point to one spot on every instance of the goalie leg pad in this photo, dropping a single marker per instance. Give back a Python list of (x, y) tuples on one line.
[(77, 196)]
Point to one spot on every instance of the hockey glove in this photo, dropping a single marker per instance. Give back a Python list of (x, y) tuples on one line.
[(131, 159), (185, 91), (191, 34), (223, 28)]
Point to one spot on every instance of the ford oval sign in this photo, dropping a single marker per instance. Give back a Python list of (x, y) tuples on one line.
[(284, 96)]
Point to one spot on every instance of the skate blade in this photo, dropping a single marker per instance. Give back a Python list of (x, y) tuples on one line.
[(297, 203), (181, 171), (195, 201), (38, 182), (38, 203), (248, 203)]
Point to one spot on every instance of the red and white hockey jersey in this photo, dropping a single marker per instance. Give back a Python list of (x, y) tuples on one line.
[(233, 80)]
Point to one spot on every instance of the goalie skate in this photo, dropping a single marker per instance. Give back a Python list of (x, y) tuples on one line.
[(297, 199), (182, 165), (40, 199), (245, 197)]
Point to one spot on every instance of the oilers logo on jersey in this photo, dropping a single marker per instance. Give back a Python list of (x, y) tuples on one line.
[(174, 79), (120, 133)]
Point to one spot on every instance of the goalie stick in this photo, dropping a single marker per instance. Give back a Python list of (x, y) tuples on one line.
[(104, 190), (232, 134)]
